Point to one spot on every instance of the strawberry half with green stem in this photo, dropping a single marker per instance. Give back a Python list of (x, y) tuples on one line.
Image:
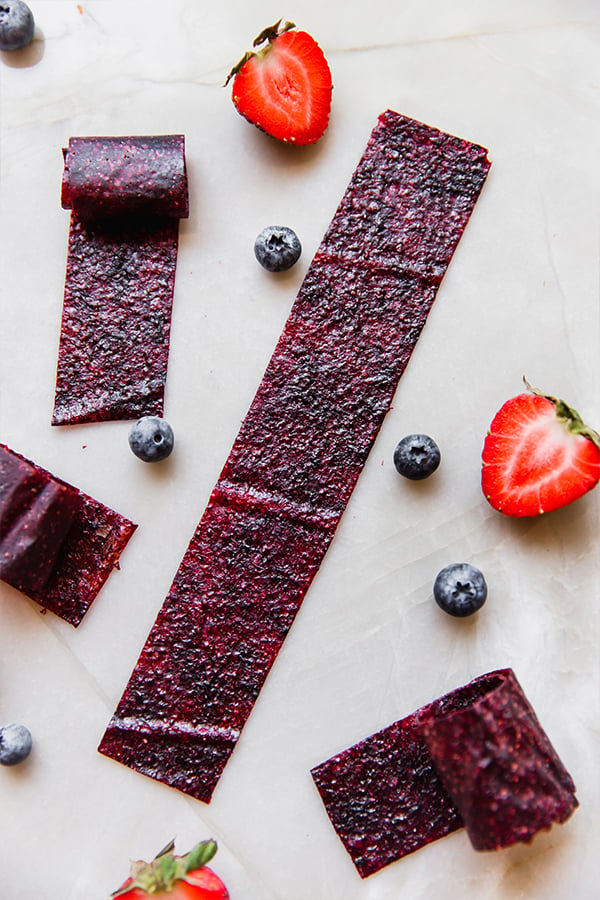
[(176, 877), (285, 87), (538, 456)]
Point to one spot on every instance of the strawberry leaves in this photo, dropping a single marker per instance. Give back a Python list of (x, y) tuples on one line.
[(166, 869), (199, 855), (568, 416), (267, 34)]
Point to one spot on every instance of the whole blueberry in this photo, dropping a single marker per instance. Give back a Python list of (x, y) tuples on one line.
[(460, 589), (417, 456), (16, 24), (277, 248), (151, 439), (15, 744)]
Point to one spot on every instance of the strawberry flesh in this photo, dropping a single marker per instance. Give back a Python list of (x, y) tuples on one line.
[(285, 89), (534, 461), (208, 886)]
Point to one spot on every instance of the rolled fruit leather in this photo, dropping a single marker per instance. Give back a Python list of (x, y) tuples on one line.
[(57, 544), (126, 196), (36, 514), (497, 763), (476, 757)]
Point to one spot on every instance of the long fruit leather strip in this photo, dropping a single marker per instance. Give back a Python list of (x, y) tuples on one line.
[(300, 450), (476, 757), (57, 544), (126, 196)]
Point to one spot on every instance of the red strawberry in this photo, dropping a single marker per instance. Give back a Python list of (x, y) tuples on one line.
[(538, 456), (284, 88), (176, 877)]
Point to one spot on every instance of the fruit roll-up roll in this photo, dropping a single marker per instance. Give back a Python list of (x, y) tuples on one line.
[(496, 762), (57, 545), (126, 196), (477, 757)]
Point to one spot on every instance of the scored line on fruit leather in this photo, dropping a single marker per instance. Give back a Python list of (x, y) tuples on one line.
[(298, 455), (477, 757), (57, 545), (126, 196)]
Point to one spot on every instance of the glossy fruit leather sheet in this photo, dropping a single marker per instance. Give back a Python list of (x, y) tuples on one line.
[(57, 544), (476, 757), (300, 450), (126, 197)]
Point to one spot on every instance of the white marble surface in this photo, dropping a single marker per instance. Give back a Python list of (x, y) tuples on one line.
[(521, 297)]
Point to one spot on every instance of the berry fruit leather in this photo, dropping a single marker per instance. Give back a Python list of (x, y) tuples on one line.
[(300, 450), (57, 544), (126, 197), (476, 757), (497, 763)]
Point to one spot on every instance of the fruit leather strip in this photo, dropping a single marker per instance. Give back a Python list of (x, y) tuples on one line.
[(36, 513), (298, 455), (385, 798), (498, 765), (114, 343), (389, 795), (384, 795), (126, 196), (57, 544)]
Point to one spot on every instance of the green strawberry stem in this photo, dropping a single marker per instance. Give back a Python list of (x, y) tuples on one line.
[(569, 417), (199, 855), (248, 55), (267, 34), (166, 869), (271, 32)]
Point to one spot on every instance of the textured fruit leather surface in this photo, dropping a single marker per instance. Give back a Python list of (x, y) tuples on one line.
[(300, 450), (57, 544), (477, 757), (126, 197)]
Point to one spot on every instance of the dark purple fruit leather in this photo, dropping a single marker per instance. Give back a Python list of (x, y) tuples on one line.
[(497, 763), (300, 450), (476, 757), (126, 197), (57, 544)]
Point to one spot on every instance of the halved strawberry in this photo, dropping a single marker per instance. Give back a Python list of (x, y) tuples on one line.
[(538, 456), (284, 88), (175, 877)]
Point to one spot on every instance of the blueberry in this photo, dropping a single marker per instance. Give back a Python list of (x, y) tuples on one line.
[(460, 589), (277, 248), (16, 24), (151, 439), (15, 744), (417, 456)]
